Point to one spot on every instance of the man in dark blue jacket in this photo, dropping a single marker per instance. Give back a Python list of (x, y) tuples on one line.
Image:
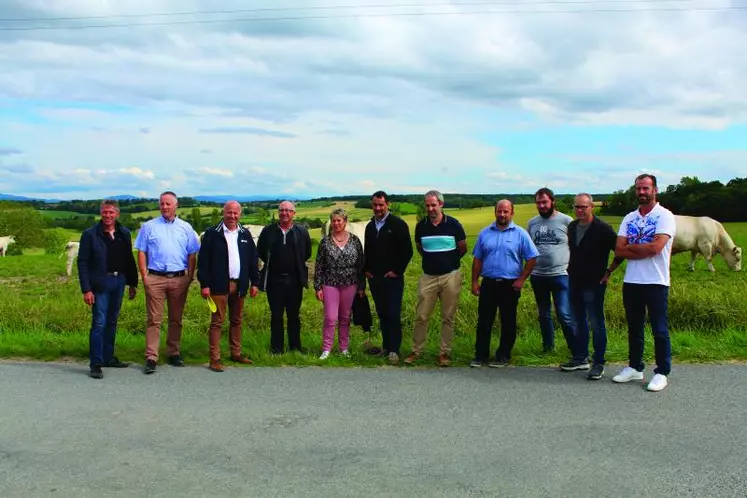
[(227, 266), (105, 265)]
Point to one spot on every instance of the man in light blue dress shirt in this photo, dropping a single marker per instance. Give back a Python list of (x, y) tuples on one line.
[(167, 253), (504, 256)]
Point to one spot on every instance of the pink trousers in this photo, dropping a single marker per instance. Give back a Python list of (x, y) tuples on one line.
[(338, 306)]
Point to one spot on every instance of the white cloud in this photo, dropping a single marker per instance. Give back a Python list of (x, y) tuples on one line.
[(326, 106)]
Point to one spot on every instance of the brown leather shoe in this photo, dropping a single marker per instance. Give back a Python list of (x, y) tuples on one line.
[(444, 360), (241, 359), (216, 366)]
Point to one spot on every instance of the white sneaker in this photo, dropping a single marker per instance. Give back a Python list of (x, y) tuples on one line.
[(324, 356), (658, 382), (627, 374), (345, 353)]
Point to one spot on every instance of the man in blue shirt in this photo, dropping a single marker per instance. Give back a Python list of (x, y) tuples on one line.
[(441, 241), (499, 254), (167, 253)]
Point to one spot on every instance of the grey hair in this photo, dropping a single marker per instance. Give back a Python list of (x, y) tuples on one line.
[(110, 202), (435, 193), (591, 200)]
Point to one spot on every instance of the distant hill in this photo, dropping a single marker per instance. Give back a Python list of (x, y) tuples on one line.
[(243, 198), (11, 197)]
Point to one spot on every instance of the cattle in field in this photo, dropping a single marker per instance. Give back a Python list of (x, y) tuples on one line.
[(706, 236), (357, 228), (255, 230), (71, 250), (5, 242)]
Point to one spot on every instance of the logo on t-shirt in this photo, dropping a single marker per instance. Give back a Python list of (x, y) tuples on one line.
[(545, 236), (642, 230)]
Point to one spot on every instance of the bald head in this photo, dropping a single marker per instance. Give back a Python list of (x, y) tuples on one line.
[(504, 213), (231, 214), (286, 211)]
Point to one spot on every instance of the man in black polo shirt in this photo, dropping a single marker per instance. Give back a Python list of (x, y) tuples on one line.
[(441, 241), (591, 240), (284, 248), (105, 265)]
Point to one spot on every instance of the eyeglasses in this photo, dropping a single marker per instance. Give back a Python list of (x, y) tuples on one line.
[(581, 206), (285, 211)]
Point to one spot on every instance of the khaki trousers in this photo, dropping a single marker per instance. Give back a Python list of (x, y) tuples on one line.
[(432, 288), (235, 305), (172, 291)]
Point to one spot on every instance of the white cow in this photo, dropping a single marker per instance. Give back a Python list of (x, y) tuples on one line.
[(5, 242), (355, 227), (255, 230), (71, 249), (706, 236)]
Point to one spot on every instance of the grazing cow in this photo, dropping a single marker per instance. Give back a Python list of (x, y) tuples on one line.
[(355, 227), (71, 249), (706, 236), (5, 242)]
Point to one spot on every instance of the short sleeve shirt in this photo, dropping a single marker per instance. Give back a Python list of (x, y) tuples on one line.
[(503, 252), (439, 243), (167, 243), (639, 229)]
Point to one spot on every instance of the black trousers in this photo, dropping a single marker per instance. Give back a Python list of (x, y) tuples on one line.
[(496, 295), (387, 296), (284, 294)]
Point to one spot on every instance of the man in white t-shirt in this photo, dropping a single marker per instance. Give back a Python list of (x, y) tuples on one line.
[(645, 239)]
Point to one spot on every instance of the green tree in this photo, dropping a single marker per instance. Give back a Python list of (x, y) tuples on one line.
[(22, 222), (55, 240), (421, 214), (196, 219), (215, 217)]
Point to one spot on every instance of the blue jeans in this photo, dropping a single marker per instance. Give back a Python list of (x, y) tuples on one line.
[(105, 312), (587, 303), (557, 287), (637, 298)]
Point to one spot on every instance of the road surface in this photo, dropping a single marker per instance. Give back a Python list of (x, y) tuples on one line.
[(369, 432)]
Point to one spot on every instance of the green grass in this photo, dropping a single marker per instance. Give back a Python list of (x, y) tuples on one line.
[(42, 314)]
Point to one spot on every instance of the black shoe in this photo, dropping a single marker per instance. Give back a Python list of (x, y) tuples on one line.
[(176, 361), (300, 350), (150, 367), (548, 349), (96, 373), (572, 365), (276, 352), (374, 351), (596, 372), (115, 363), (498, 363), (475, 363)]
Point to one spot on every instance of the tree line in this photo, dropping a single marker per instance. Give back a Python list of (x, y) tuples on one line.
[(690, 197)]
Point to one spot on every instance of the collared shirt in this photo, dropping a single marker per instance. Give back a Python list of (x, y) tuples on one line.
[(380, 223), (503, 252), (234, 260), (440, 244), (168, 244), (116, 251)]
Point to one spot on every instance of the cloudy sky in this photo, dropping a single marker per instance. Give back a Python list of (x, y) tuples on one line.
[(308, 98)]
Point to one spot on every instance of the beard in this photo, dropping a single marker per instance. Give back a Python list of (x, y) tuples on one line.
[(547, 213), (644, 199)]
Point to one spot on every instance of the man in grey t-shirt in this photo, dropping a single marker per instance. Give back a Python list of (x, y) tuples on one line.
[(549, 232)]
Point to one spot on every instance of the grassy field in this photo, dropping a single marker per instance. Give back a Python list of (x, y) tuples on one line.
[(42, 314)]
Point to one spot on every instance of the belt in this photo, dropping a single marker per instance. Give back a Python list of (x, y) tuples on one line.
[(113, 273), (168, 274), (233, 279), (499, 279)]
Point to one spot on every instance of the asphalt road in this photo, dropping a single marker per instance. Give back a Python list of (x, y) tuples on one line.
[(269, 432)]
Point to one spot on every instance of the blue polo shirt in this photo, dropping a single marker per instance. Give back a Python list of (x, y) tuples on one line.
[(503, 252), (167, 243), (439, 243)]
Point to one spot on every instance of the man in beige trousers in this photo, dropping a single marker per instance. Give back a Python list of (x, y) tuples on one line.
[(441, 241)]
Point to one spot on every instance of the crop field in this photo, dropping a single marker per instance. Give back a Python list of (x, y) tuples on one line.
[(42, 314)]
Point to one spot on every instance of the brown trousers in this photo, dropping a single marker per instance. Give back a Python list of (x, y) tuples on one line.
[(235, 305), (433, 288), (173, 291)]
